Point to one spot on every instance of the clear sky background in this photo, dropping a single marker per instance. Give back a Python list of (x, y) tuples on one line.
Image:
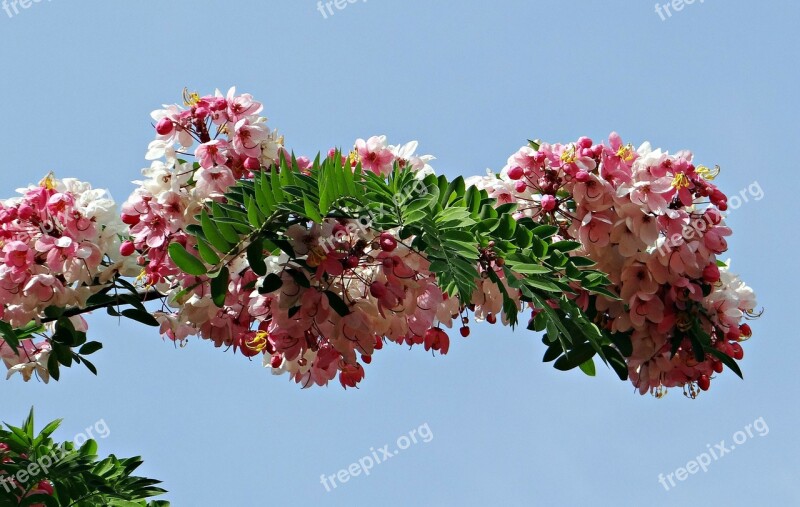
[(471, 81)]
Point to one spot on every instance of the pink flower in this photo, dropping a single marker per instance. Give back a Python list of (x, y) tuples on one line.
[(595, 229), (351, 375), (214, 181), (240, 106), (212, 153), (650, 194), (375, 155), (18, 256), (248, 138), (437, 339), (637, 281), (646, 307)]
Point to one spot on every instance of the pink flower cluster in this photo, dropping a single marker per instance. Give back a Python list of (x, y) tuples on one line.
[(56, 240), (387, 288), (230, 141), (654, 222)]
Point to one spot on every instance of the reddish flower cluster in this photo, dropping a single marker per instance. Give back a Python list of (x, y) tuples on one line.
[(654, 222)]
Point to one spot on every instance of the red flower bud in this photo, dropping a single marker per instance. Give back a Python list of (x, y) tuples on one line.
[(711, 273), (130, 219), (516, 173), (387, 242), (127, 249), (164, 127), (252, 164)]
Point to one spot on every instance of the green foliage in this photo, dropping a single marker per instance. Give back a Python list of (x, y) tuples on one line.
[(78, 476), (69, 346), (451, 225)]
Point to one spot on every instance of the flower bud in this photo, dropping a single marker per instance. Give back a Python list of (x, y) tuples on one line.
[(201, 113), (387, 241), (127, 249), (25, 211), (548, 202), (516, 173), (711, 273), (704, 382), (164, 127), (252, 164), (130, 219)]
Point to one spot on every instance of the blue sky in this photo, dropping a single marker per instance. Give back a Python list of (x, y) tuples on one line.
[(471, 81)]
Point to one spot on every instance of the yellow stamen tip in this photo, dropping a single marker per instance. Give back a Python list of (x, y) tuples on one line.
[(681, 181), (48, 182)]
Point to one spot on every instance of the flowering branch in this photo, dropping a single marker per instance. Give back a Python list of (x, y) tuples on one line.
[(314, 265)]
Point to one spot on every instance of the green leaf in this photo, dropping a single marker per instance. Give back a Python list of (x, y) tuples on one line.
[(575, 358), (255, 257), (271, 283), (565, 246), (542, 284), (337, 303), (225, 228), (726, 360), (506, 227), (219, 287), (8, 334), (623, 343), (299, 278), (185, 261), (90, 348), (89, 366), (544, 231), (581, 262), (213, 235), (311, 211), (254, 216), (53, 312), (589, 368), (206, 252), (52, 367), (140, 316), (552, 353), (617, 362), (530, 269)]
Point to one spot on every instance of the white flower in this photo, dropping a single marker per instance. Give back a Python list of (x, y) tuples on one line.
[(38, 364), (158, 149), (417, 163)]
